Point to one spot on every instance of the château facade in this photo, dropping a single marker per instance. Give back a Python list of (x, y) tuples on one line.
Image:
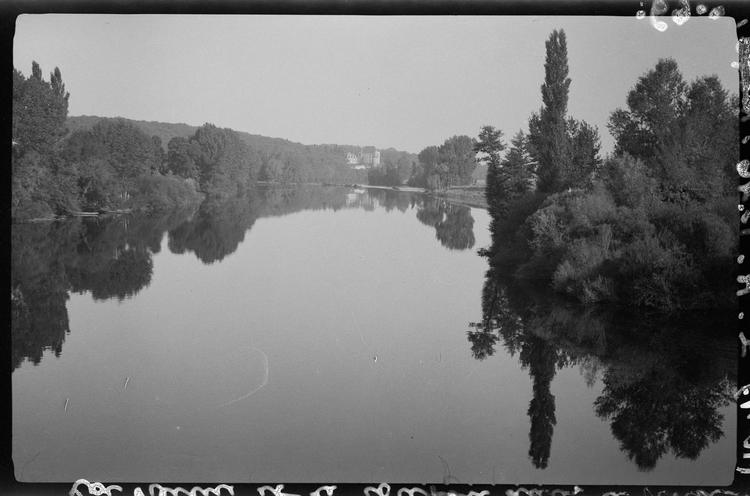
[(367, 158)]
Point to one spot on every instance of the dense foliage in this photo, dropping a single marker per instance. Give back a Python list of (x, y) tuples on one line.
[(387, 175), (649, 226), (279, 160), (216, 159), (39, 179), (450, 164), (395, 169), (112, 165), (63, 165)]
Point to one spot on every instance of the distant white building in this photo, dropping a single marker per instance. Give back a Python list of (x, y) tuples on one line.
[(352, 159), (367, 157)]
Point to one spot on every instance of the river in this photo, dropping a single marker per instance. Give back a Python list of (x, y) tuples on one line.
[(324, 334)]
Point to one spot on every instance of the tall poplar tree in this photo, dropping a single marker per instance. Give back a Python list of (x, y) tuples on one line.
[(547, 129), (40, 184)]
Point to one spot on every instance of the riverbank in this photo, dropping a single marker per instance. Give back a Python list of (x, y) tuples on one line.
[(70, 215), (153, 206), (470, 196)]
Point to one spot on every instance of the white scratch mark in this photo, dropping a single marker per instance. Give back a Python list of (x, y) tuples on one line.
[(359, 329), (159, 490), (405, 491), (277, 491), (382, 490), (328, 489), (716, 12), (23, 469), (265, 381), (658, 7), (95, 488), (681, 16)]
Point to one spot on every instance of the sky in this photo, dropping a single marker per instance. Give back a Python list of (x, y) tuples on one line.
[(389, 81)]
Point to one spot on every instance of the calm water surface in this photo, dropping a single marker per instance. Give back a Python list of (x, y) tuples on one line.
[(330, 334)]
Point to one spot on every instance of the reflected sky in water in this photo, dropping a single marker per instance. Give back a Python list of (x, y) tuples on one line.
[(330, 334)]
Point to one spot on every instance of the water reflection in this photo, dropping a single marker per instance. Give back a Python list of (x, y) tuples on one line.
[(112, 257), (453, 223), (664, 378)]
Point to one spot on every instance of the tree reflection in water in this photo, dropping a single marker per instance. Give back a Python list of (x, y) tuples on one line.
[(108, 257), (112, 257), (454, 225), (39, 288), (665, 377)]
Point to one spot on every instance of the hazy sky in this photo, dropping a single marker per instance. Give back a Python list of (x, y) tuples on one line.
[(406, 82)]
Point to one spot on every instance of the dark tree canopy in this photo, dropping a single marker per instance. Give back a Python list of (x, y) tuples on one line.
[(685, 133), (130, 152), (39, 111), (652, 226), (450, 164), (40, 182)]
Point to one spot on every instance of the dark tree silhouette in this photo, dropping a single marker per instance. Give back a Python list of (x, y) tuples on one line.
[(39, 288), (547, 131), (541, 359), (665, 379)]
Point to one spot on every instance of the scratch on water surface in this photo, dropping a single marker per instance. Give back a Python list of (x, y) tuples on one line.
[(359, 329), (23, 469), (265, 381), (447, 476)]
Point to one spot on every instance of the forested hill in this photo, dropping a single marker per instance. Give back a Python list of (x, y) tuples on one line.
[(79, 165), (324, 156), (168, 130), (164, 130)]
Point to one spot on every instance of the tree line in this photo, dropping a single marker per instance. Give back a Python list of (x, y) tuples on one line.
[(649, 225), (110, 164), (434, 168), (114, 165), (395, 169)]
